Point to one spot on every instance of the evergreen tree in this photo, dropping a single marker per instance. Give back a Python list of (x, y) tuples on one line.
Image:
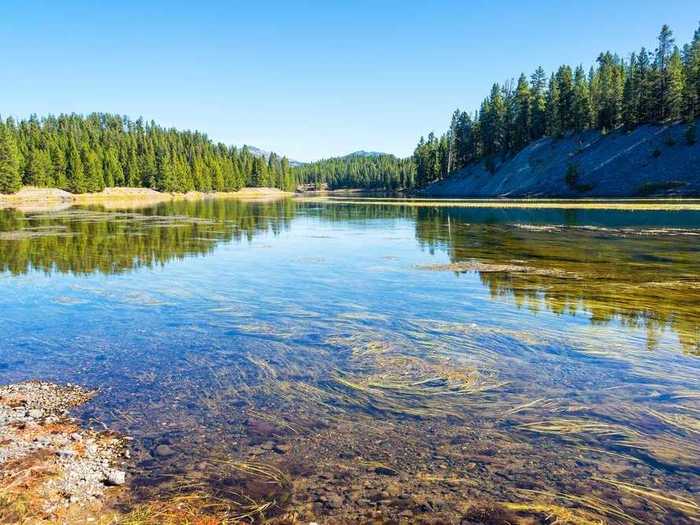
[(539, 103), (74, 170), (523, 108), (664, 52), (676, 85), (692, 74), (581, 106), (565, 88), (10, 178), (552, 119)]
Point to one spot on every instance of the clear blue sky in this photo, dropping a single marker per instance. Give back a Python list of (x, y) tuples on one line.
[(306, 79)]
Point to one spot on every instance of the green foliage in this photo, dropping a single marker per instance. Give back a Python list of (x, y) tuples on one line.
[(10, 178), (649, 189), (571, 176), (88, 153), (490, 165), (647, 88), (380, 172)]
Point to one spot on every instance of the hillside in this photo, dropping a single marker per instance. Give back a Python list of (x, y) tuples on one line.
[(652, 160)]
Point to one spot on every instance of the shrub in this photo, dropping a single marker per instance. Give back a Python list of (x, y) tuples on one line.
[(571, 176)]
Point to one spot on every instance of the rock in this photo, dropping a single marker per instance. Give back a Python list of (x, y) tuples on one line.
[(66, 453), (421, 503), (116, 477), (35, 413), (333, 501), (259, 428), (394, 489), (91, 449), (282, 448), (164, 451), (386, 471), (268, 445)]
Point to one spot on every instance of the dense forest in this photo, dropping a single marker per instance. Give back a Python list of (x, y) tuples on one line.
[(648, 87), (371, 171), (88, 153)]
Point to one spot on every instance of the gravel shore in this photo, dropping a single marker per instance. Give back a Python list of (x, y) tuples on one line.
[(51, 468)]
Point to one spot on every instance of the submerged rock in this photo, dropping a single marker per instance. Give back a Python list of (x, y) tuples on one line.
[(164, 451)]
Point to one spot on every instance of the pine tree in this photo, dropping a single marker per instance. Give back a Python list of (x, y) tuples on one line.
[(664, 52), (692, 73), (552, 119), (39, 169), (565, 87), (10, 178), (539, 103), (630, 96), (676, 85), (523, 103), (643, 85), (581, 107), (92, 167)]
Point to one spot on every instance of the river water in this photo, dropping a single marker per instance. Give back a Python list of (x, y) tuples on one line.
[(368, 360)]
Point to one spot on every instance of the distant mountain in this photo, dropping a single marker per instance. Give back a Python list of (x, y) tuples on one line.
[(363, 153), (265, 154)]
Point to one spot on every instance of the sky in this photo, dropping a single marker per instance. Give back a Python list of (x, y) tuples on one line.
[(306, 79)]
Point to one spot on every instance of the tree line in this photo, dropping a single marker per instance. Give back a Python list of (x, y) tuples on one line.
[(89, 153), (380, 171), (649, 87)]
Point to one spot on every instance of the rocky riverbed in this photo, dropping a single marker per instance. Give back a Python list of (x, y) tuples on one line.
[(52, 469)]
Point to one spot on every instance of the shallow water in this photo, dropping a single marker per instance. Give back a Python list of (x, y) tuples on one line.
[(366, 360)]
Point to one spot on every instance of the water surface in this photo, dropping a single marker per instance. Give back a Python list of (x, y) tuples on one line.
[(359, 360)]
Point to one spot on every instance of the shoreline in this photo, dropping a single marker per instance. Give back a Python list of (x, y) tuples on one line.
[(632, 204), (29, 198), (53, 467)]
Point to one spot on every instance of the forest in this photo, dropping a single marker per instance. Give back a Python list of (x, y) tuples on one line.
[(374, 171), (656, 86), (88, 153)]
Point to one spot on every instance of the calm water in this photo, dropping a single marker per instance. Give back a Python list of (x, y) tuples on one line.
[(323, 358)]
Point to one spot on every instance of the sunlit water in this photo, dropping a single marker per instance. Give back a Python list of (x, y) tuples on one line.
[(558, 367)]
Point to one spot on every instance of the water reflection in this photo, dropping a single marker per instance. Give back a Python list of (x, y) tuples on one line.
[(640, 268), (86, 240)]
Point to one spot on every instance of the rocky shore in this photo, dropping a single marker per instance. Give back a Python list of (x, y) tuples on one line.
[(52, 469)]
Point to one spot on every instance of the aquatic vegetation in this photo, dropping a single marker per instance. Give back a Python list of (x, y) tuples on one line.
[(688, 506), (590, 509)]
